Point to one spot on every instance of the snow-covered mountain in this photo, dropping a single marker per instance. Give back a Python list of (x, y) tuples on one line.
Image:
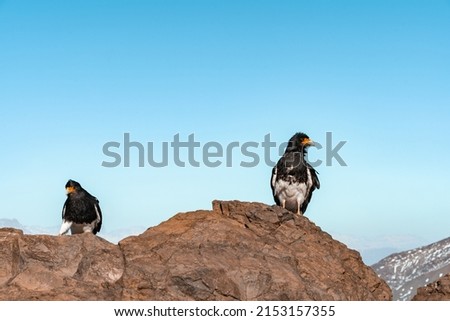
[(406, 271)]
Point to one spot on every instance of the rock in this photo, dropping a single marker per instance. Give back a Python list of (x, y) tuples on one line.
[(43, 267), (436, 291), (244, 251), (237, 251)]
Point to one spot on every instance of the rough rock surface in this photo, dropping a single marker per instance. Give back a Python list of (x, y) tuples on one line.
[(237, 251), (43, 267), (436, 291)]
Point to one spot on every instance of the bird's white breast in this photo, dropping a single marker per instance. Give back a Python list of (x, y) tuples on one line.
[(291, 191)]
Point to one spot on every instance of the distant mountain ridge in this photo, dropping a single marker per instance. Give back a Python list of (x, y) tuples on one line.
[(375, 248), (14, 223), (11, 222), (406, 271), (113, 236)]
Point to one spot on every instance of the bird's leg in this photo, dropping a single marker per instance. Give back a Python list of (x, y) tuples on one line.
[(298, 209), (283, 203)]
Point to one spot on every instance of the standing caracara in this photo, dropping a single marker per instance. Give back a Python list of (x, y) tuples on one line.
[(293, 179)]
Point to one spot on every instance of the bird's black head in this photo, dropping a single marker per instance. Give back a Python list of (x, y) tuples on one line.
[(72, 187), (299, 142)]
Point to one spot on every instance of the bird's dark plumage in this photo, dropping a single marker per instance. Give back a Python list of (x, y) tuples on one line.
[(293, 179), (81, 212)]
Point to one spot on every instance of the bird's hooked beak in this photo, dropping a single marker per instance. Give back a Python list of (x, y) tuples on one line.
[(69, 190), (307, 142)]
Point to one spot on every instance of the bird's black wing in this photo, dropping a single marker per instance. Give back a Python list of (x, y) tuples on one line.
[(314, 177), (100, 219), (273, 180), (315, 184), (95, 206), (64, 209)]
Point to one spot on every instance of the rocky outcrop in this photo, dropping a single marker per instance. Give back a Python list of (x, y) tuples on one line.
[(237, 251), (436, 291), (42, 267)]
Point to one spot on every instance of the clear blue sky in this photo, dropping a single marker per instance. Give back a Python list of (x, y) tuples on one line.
[(76, 75)]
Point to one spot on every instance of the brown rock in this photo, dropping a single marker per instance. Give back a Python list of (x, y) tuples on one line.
[(43, 267), (244, 251), (237, 251), (436, 291)]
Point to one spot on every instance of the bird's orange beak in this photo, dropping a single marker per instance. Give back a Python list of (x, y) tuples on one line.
[(69, 189), (307, 142)]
